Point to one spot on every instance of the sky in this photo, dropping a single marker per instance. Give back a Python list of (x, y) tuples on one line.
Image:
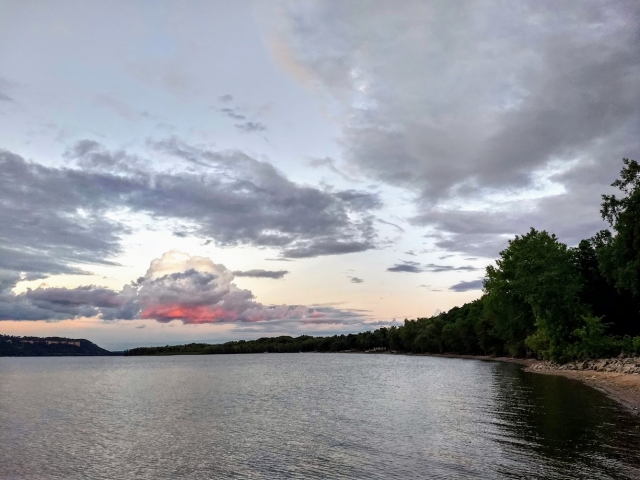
[(188, 171)]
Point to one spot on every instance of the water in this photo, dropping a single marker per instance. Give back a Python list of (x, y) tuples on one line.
[(304, 416)]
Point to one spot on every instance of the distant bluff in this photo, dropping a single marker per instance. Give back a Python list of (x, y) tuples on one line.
[(11, 346)]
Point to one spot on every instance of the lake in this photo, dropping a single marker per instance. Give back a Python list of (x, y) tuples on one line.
[(308, 415)]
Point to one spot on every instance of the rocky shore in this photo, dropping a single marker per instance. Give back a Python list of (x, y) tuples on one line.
[(621, 364)]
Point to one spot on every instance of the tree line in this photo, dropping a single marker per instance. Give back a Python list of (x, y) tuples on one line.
[(541, 299)]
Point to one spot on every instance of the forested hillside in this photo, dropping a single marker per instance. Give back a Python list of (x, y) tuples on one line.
[(540, 299)]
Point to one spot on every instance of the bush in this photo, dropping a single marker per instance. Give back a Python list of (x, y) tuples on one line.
[(592, 341)]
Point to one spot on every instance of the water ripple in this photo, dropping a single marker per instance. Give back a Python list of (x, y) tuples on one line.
[(304, 416)]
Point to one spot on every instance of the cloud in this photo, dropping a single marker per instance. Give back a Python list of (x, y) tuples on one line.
[(54, 219), (91, 155), (415, 267), (397, 227), (225, 98), (571, 216), (231, 113), (359, 200), (177, 286), (319, 248), (467, 286), (259, 273), (5, 98), (356, 280), (331, 165), (250, 127), (408, 266), (432, 267), (58, 303), (487, 110), (268, 209)]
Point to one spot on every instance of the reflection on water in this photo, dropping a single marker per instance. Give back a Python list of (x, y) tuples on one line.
[(573, 430), (304, 416)]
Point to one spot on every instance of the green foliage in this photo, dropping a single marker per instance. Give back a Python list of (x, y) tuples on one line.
[(535, 286), (620, 254), (592, 341)]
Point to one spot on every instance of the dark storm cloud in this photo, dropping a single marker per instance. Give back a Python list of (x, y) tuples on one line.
[(250, 127), (54, 218), (409, 267), (467, 286), (259, 273), (502, 97)]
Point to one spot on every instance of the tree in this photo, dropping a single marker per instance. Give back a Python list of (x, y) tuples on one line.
[(619, 254), (533, 292), (598, 292)]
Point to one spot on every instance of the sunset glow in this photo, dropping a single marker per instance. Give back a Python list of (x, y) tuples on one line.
[(188, 314)]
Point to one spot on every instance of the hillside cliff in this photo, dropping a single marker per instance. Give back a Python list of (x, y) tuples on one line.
[(48, 346)]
